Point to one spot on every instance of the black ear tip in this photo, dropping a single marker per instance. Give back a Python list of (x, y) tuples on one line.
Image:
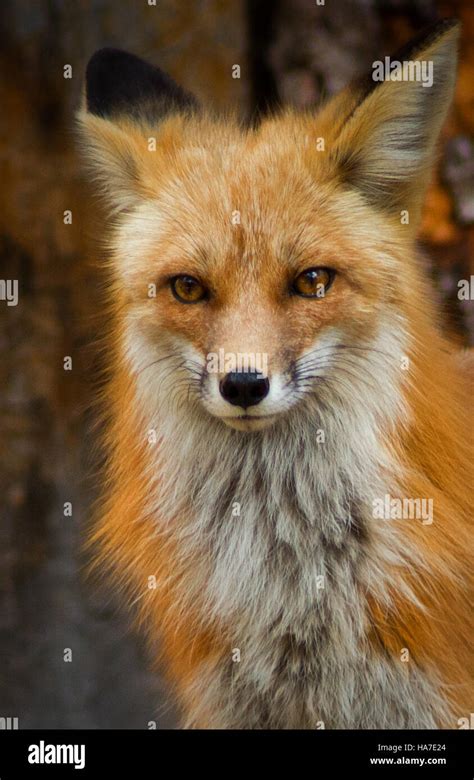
[(118, 81), (102, 58), (441, 27), (426, 37), (101, 74), (449, 22)]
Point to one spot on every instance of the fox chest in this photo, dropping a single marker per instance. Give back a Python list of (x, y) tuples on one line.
[(296, 636)]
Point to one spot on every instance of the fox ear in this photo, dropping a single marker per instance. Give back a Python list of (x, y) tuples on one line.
[(386, 143), (126, 99)]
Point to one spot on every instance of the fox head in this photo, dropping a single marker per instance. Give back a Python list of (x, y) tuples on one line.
[(261, 270)]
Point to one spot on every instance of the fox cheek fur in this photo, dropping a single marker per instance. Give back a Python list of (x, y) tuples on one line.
[(281, 598)]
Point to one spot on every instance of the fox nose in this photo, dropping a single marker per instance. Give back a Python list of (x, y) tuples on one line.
[(246, 388)]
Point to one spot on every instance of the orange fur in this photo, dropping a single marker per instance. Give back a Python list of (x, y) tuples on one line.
[(299, 208)]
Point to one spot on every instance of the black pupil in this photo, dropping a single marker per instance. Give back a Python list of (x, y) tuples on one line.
[(189, 285), (314, 277)]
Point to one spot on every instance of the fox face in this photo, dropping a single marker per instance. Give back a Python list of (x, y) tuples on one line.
[(261, 272), (254, 301)]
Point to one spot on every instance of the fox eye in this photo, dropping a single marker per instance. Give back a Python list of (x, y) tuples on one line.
[(314, 282), (187, 289)]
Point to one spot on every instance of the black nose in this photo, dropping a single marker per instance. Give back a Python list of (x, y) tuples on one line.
[(244, 389)]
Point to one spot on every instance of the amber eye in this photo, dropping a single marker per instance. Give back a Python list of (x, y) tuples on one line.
[(314, 282), (187, 289)]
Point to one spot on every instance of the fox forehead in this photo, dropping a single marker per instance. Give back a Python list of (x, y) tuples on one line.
[(227, 172), (253, 202)]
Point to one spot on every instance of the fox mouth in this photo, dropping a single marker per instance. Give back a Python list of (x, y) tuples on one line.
[(248, 422), (248, 417)]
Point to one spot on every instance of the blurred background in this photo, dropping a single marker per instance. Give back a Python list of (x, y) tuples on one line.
[(289, 51)]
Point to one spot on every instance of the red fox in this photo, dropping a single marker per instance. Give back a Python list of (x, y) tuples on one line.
[(287, 497)]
